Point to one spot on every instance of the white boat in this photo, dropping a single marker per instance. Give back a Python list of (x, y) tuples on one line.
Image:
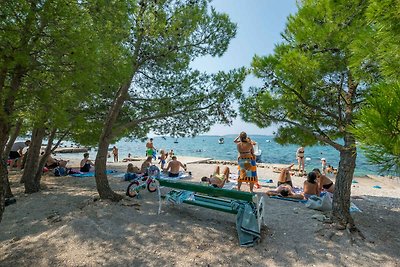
[(221, 140), (257, 152)]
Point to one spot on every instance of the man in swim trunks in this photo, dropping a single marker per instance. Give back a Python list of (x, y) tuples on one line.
[(217, 179), (324, 182), (173, 167), (150, 149)]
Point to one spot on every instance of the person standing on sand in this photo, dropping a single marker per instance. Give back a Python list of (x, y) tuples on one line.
[(300, 159), (150, 149), (163, 157), (115, 153), (246, 161), (173, 167)]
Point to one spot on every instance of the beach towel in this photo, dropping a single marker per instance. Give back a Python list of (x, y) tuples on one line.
[(247, 170), (91, 174), (246, 223), (181, 175), (229, 185)]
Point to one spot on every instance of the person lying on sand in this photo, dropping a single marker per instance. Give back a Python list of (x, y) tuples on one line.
[(284, 176), (217, 179), (284, 190), (129, 158)]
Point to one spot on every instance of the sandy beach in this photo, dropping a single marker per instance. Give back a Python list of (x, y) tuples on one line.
[(67, 225)]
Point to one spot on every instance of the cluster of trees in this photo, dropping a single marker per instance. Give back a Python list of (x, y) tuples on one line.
[(96, 71), (334, 80)]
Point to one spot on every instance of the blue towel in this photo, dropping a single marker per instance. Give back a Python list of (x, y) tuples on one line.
[(91, 174), (246, 223)]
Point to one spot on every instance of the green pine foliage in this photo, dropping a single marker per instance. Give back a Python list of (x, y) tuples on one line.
[(309, 88), (378, 49)]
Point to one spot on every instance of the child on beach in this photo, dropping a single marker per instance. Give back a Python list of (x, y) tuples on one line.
[(163, 157)]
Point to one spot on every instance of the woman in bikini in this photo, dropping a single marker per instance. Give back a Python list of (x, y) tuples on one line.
[(284, 176), (246, 160), (311, 186), (300, 159), (324, 182), (218, 179)]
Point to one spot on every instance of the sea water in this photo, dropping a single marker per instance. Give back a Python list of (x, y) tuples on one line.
[(209, 147)]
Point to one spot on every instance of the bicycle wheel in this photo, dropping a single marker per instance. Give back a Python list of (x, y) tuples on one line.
[(130, 191), (152, 186)]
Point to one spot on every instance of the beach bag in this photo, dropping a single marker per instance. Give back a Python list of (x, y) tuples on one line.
[(323, 203), (60, 171)]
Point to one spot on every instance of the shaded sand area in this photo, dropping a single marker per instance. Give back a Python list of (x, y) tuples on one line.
[(67, 225)]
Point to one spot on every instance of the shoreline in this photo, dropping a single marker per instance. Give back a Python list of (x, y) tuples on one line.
[(74, 163)]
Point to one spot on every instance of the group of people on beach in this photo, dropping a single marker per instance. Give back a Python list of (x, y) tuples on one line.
[(172, 168), (315, 183)]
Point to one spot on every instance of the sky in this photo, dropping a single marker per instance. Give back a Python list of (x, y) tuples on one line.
[(259, 24)]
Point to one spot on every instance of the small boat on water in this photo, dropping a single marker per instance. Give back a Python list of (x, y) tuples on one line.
[(221, 140), (176, 141), (257, 152)]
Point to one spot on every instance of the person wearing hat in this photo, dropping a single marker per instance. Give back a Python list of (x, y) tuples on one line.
[(246, 160)]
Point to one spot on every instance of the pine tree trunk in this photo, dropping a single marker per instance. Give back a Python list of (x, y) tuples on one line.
[(32, 162), (341, 198), (43, 159), (7, 110), (4, 131), (103, 186), (3, 176), (11, 141)]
